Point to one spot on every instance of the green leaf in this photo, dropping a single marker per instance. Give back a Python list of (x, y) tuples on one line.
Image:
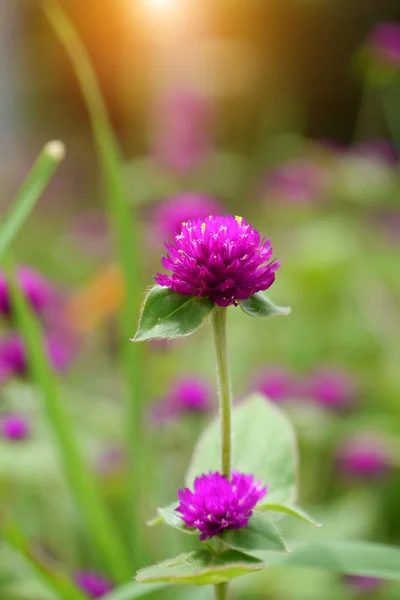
[(166, 314), (260, 534), (168, 516), (264, 446), (201, 568), (259, 306), (353, 558), (30, 191), (294, 511)]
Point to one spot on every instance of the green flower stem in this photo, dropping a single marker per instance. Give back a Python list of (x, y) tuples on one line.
[(221, 591), (224, 391), (225, 408)]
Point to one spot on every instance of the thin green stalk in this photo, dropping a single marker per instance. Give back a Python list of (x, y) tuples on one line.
[(126, 236), (225, 408), (81, 480), (224, 390), (30, 191), (391, 104), (57, 582), (221, 591)]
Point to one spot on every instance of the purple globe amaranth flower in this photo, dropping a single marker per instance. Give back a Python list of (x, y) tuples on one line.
[(276, 383), (36, 289), (93, 584), (14, 427), (218, 504), (331, 387), (184, 139), (384, 39), (363, 584), (298, 181), (222, 258), (13, 356), (178, 209), (364, 457), (188, 395)]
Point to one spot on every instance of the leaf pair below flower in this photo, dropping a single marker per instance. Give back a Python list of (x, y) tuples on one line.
[(166, 314)]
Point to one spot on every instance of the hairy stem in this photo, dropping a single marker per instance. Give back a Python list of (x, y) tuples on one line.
[(225, 409)]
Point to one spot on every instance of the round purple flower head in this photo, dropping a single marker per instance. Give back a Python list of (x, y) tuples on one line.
[(222, 258), (331, 387), (363, 584), (93, 584), (363, 457), (218, 504), (385, 41), (276, 383), (188, 206), (36, 289), (14, 427)]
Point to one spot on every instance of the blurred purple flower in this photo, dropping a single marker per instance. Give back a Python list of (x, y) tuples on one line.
[(93, 584), (297, 181), (363, 456), (384, 39), (174, 211), (184, 139), (14, 427), (378, 149), (188, 395), (276, 383), (90, 232), (222, 258), (363, 584), (218, 504), (13, 358), (331, 387), (110, 460), (36, 289)]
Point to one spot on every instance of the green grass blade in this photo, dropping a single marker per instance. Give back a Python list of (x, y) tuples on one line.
[(81, 480), (30, 191), (126, 236), (57, 582)]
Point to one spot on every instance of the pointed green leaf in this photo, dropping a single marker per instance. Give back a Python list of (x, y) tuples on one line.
[(259, 306), (264, 446), (166, 314), (168, 516), (353, 558), (294, 511), (260, 534), (201, 568)]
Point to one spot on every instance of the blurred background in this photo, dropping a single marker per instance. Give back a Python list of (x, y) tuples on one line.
[(284, 112)]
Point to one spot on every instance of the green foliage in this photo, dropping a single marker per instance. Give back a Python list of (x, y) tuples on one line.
[(260, 534), (168, 516), (264, 446), (354, 558), (201, 567), (166, 314), (286, 509), (259, 306)]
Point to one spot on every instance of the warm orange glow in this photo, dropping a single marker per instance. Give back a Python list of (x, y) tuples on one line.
[(99, 298)]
